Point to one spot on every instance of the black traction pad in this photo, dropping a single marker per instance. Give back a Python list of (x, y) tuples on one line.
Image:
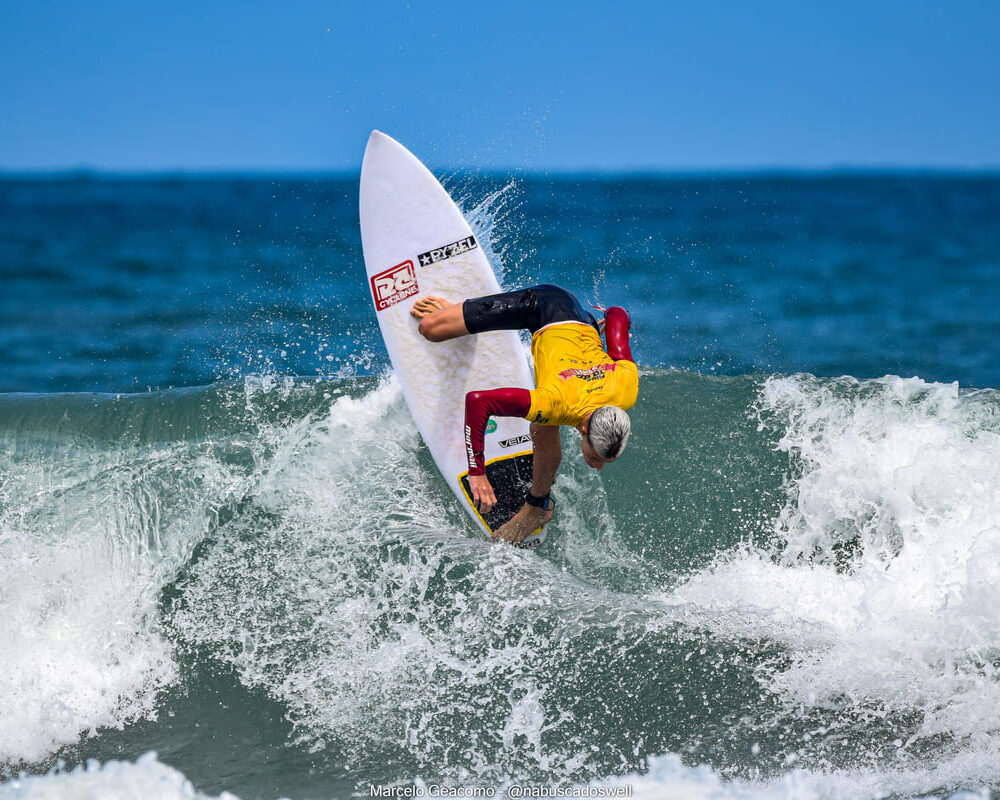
[(510, 479)]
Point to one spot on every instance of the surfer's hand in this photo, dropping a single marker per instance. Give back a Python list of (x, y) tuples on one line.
[(483, 497)]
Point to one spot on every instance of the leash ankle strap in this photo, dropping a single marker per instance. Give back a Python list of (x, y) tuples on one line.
[(538, 502)]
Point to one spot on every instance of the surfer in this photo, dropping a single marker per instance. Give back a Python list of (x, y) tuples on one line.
[(578, 382)]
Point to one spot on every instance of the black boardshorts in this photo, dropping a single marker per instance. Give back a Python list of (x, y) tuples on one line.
[(531, 308)]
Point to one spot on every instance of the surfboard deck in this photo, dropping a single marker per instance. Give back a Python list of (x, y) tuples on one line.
[(416, 242)]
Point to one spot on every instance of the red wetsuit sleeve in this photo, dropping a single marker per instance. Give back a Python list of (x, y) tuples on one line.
[(479, 407), (616, 325)]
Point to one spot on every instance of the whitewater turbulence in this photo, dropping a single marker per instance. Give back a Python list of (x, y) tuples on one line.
[(95, 518), (880, 579)]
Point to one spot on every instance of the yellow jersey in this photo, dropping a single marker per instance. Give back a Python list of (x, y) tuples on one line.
[(575, 376)]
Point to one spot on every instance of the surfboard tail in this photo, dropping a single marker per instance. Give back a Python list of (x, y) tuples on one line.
[(510, 477)]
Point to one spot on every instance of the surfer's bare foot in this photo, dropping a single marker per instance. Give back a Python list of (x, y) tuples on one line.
[(523, 524), (425, 306)]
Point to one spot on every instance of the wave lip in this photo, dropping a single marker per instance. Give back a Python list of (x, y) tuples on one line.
[(880, 578), (98, 511), (77, 617)]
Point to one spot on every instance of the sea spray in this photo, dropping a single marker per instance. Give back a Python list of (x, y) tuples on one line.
[(401, 641)]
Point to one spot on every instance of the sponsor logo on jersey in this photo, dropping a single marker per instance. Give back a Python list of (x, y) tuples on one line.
[(515, 441), (590, 374), (394, 285), (491, 426), (447, 251)]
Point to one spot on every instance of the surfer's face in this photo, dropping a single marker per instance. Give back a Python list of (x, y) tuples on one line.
[(591, 456)]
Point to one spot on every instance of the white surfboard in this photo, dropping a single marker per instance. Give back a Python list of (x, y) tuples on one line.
[(417, 242)]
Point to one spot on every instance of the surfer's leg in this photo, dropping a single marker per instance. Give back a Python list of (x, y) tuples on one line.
[(548, 454), (507, 311), (440, 320), (531, 309)]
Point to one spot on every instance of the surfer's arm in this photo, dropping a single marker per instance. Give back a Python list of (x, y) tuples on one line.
[(479, 407), (616, 325)]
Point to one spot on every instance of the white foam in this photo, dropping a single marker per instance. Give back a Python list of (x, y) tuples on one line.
[(885, 589), (90, 533), (147, 778), (669, 779), (80, 649)]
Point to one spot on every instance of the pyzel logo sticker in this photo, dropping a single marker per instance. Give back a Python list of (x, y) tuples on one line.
[(394, 285), (515, 441), (449, 250)]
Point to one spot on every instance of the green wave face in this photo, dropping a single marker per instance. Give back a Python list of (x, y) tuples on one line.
[(782, 570)]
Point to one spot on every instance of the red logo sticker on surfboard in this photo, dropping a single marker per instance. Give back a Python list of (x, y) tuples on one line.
[(394, 285)]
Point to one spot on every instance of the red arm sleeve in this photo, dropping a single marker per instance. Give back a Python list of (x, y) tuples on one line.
[(479, 407), (616, 325)]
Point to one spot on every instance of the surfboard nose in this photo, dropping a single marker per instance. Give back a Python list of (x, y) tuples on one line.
[(378, 141), (377, 137)]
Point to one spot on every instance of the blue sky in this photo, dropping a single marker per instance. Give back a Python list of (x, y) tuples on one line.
[(498, 85)]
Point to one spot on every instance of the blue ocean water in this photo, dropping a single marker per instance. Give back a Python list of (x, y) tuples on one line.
[(223, 542), (120, 284)]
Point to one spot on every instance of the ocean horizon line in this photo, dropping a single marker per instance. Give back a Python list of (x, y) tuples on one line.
[(83, 173)]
